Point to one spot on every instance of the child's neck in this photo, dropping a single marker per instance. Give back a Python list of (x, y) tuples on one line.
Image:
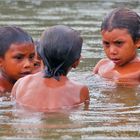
[(4, 77), (136, 59), (5, 85), (52, 82)]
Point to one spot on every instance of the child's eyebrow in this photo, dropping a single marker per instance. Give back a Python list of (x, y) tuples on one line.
[(119, 40), (21, 53), (105, 41), (32, 53)]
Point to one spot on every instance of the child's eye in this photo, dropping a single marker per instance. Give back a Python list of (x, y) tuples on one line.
[(106, 44), (37, 64), (18, 57), (119, 43), (31, 56)]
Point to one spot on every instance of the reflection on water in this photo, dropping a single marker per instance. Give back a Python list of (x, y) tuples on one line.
[(114, 111)]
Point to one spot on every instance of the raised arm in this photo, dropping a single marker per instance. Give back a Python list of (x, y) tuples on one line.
[(97, 66)]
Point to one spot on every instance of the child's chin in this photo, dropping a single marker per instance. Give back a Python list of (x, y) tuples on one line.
[(24, 74), (117, 62)]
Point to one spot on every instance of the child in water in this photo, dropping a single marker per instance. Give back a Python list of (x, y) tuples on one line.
[(38, 64), (16, 56), (60, 50), (120, 32)]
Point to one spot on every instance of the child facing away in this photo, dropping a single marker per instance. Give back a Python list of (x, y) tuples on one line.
[(120, 32), (17, 53), (51, 89)]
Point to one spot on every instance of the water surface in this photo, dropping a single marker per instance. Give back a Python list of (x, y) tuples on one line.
[(114, 111)]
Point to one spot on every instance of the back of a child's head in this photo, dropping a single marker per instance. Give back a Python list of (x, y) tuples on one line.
[(12, 35), (123, 18), (60, 47)]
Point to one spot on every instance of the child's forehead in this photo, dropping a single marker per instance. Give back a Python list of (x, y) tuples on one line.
[(116, 34), (22, 46), (116, 31)]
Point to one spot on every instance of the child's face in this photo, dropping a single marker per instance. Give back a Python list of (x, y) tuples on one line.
[(38, 64), (18, 61), (119, 46)]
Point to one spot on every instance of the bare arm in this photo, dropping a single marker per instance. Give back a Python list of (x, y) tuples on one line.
[(97, 66), (84, 95), (135, 75), (129, 79)]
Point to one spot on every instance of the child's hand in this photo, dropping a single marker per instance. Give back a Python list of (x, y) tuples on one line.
[(114, 75)]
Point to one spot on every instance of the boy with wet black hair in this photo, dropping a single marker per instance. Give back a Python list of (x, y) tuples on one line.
[(60, 50), (16, 56)]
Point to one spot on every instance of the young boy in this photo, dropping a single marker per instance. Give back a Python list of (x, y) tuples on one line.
[(121, 38), (17, 53), (60, 50)]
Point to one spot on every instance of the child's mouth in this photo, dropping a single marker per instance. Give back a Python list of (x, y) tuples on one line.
[(116, 61), (25, 73)]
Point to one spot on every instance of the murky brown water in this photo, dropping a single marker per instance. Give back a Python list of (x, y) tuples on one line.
[(114, 111)]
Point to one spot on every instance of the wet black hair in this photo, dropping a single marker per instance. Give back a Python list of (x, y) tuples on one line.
[(60, 47), (10, 35), (123, 18)]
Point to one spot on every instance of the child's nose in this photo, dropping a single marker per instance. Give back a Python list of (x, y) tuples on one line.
[(27, 63), (113, 49)]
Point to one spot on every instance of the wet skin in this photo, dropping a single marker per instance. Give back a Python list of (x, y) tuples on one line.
[(121, 51), (16, 63)]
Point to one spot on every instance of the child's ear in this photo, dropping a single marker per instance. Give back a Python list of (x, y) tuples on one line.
[(76, 63), (138, 44)]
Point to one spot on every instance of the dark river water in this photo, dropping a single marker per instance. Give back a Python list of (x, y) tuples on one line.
[(114, 111)]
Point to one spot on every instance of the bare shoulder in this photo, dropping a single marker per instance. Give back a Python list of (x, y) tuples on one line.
[(97, 66), (82, 87), (24, 79), (83, 90), (28, 78), (20, 84), (14, 89)]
